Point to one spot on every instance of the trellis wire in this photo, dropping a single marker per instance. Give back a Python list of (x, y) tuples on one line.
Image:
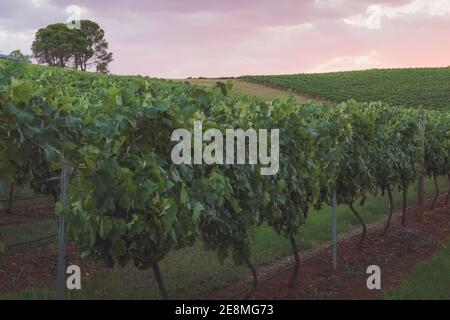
[(38, 197), (21, 244), (27, 199)]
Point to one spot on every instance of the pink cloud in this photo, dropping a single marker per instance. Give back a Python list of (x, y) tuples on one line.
[(180, 38)]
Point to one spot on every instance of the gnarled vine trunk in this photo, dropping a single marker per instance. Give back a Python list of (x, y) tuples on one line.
[(421, 194), (294, 276), (448, 193), (436, 185), (11, 197), (404, 195), (391, 210), (361, 221), (254, 276), (160, 280)]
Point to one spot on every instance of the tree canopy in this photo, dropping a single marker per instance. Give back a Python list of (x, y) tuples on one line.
[(84, 48), (18, 54)]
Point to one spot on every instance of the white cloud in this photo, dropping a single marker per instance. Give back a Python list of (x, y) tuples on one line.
[(21, 40), (362, 62), (375, 13), (327, 3), (288, 31), (17, 35), (37, 3), (20, 19)]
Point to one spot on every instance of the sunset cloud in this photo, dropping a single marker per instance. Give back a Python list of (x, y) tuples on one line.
[(181, 38), (362, 62), (375, 13)]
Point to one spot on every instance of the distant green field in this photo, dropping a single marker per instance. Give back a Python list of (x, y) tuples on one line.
[(428, 87)]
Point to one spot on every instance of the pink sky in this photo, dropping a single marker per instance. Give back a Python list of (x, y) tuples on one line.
[(181, 38)]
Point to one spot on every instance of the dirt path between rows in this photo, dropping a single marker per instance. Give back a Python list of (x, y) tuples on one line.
[(299, 96), (396, 253), (256, 89), (37, 268)]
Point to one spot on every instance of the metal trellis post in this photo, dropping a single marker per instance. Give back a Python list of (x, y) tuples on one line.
[(61, 272)]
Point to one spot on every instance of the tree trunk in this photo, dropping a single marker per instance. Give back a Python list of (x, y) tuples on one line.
[(293, 280), (391, 210), (361, 221), (436, 185), (159, 280), (11, 197), (255, 279), (404, 195)]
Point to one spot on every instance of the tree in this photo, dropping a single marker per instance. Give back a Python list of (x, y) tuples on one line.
[(18, 54), (103, 67), (57, 45), (93, 49)]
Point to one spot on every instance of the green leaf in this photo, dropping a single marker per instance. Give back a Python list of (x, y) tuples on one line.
[(197, 211), (51, 153), (168, 220), (184, 198), (105, 228), (22, 90), (235, 205)]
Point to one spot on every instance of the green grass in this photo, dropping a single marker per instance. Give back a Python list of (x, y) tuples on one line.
[(192, 272), (428, 280), (31, 294), (429, 87)]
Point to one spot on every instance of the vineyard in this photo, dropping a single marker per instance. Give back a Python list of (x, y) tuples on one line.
[(129, 204), (422, 87)]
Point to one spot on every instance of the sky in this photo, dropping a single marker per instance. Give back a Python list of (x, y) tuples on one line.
[(211, 38)]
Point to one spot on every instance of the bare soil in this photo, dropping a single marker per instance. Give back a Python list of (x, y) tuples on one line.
[(256, 89), (37, 268)]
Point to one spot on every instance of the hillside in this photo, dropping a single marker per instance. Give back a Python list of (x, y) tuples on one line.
[(250, 88), (428, 87)]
